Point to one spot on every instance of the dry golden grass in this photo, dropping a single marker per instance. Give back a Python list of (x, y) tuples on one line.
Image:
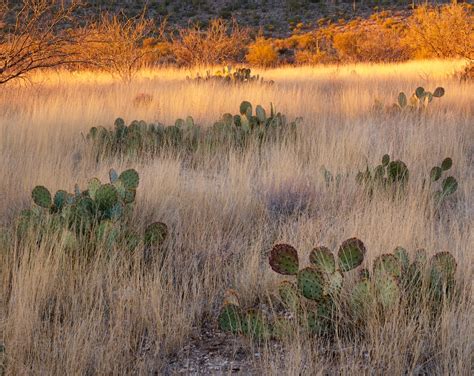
[(109, 318)]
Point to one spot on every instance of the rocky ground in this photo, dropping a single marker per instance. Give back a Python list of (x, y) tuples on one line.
[(275, 18)]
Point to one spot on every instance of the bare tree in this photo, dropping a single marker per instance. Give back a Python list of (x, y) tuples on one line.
[(41, 36), (221, 42), (115, 43)]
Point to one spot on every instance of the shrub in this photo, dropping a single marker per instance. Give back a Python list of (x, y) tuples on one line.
[(221, 42), (118, 44), (262, 53), (370, 42), (445, 31)]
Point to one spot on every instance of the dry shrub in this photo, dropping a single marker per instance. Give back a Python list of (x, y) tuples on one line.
[(262, 53), (371, 42), (446, 31), (116, 43), (312, 58), (222, 42), (38, 38)]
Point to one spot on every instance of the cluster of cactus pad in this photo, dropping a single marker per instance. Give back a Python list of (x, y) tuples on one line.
[(449, 185), (420, 99), (140, 139), (100, 212), (394, 277), (387, 174), (230, 75), (314, 298), (395, 174)]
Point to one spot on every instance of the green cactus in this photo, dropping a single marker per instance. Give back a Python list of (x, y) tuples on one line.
[(246, 108), (261, 115), (106, 197), (323, 259), (351, 254), (442, 274), (289, 295), (446, 164), (284, 259), (448, 186), (60, 200), (113, 176), (92, 186), (41, 196), (419, 100), (311, 283), (387, 291), (387, 263), (254, 325), (230, 319), (130, 179), (402, 100)]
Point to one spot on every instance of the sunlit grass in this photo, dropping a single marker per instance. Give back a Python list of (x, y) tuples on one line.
[(115, 320)]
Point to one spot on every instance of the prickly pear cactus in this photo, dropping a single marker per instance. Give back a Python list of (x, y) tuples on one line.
[(284, 259), (41, 196), (449, 184), (419, 100), (351, 254), (230, 319), (97, 216)]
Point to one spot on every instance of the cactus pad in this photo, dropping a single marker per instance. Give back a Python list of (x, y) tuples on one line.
[(435, 173), (41, 196), (351, 254), (333, 283), (254, 325), (402, 100), (387, 291), (311, 283), (387, 263), (323, 259), (284, 259), (289, 295), (130, 179), (439, 92), (361, 299), (113, 176), (401, 255), (397, 171), (155, 234), (246, 108), (129, 196), (230, 319), (60, 199), (449, 185), (442, 271), (92, 186), (419, 92), (446, 164), (261, 115), (386, 157), (106, 197)]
